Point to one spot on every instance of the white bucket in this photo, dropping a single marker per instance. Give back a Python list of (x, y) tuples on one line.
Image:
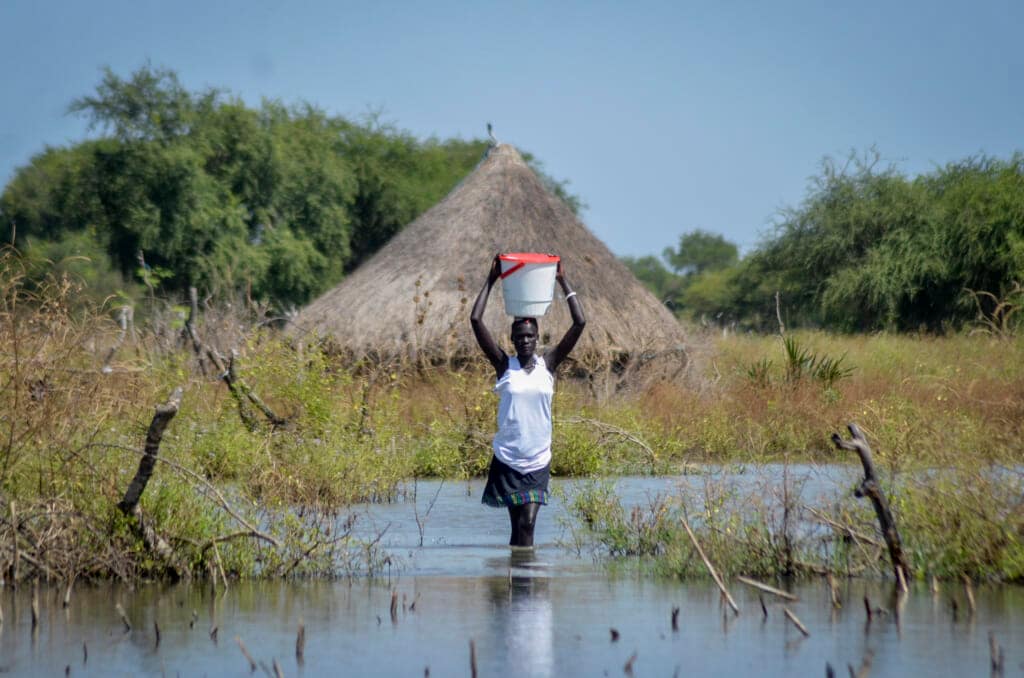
[(528, 283)]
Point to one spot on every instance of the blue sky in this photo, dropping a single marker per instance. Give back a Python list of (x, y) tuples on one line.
[(665, 117)]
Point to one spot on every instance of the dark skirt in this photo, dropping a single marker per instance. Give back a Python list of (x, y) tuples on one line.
[(508, 487)]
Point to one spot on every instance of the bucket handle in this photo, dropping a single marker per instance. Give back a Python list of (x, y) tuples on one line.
[(512, 270)]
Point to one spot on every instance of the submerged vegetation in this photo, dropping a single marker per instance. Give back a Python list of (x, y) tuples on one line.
[(954, 522)]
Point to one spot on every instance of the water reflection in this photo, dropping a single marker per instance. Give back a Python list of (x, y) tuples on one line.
[(521, 622)]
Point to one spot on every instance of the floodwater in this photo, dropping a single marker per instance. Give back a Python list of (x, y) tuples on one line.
[(549, 612)]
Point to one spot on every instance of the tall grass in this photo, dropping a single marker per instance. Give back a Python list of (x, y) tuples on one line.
[(954, 522), (925, 399)]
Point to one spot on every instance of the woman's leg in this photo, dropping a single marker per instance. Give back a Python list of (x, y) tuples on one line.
[(523, 519)]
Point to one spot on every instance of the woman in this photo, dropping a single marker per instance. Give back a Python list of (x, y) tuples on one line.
[(521, 466)]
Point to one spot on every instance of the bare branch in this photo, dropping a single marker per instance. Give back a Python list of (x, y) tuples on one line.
[(871, 489)]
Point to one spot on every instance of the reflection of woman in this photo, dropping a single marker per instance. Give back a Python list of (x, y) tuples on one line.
[(522, 615), (521, 466)]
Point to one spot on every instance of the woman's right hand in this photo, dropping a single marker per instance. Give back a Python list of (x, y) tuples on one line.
[(495, 272)]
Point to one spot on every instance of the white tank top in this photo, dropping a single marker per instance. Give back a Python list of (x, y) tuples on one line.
[(523, 440)]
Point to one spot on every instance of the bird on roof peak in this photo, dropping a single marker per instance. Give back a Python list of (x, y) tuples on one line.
[(490, 133)]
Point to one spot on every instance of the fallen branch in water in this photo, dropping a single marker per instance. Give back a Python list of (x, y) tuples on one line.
[(766, 588), (796, 622), (711, 568)]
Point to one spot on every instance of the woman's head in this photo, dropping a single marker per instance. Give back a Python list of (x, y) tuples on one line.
[(524, 337)]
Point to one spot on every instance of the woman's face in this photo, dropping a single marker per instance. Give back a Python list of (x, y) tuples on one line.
[(524, 339)]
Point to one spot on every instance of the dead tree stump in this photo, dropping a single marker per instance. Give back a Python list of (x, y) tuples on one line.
[(189, 331), (870, 488), (129, 504)]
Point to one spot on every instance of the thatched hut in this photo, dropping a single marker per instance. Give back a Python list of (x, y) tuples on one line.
[(413, 297)]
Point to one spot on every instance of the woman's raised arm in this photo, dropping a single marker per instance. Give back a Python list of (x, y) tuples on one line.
[(487, 344), (565, 346)]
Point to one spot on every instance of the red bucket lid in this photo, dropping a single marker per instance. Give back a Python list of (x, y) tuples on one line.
[(530, 258)]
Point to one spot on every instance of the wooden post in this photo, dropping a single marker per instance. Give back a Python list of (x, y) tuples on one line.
[(834, 591), (35, 604), (245, 653), (969, 594), (870, 488), (14, 545), (123, 617), (996, 657)]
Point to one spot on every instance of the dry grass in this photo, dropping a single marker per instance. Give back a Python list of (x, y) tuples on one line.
[(922, 398)]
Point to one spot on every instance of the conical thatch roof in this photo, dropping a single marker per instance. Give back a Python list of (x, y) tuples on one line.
[(414, 295)]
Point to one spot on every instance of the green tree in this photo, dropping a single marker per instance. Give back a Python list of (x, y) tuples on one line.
[(150, 105), (650, 271), (397, 177), (699, 251), (711, 295), (871, 249), (278, 200)]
